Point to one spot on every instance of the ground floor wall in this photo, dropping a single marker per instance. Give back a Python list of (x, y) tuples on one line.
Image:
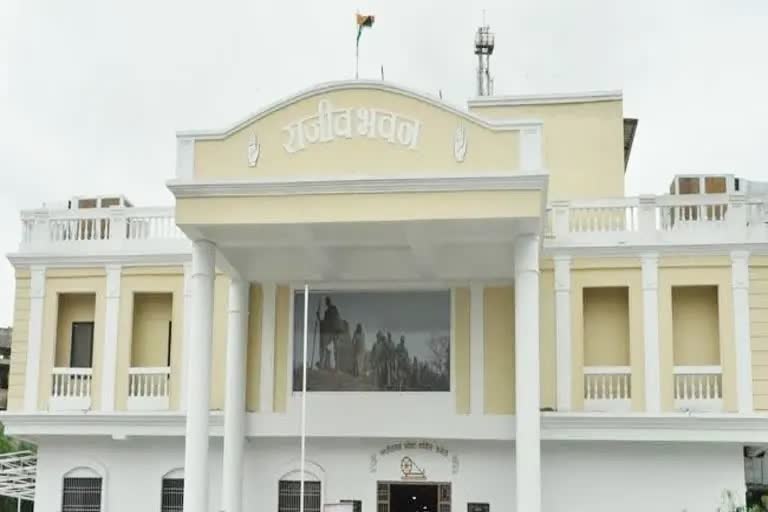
[(594, 476)]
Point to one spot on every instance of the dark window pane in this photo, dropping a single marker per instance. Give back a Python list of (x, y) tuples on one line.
[(81, 495), (81, 355), (289, 493), (173, 495)]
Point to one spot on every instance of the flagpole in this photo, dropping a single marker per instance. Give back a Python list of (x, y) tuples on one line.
[(304, 398), (357, 56)]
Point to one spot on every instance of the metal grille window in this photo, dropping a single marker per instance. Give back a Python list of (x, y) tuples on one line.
[(173, 495), (289, 492), (357, 505), (81, 495)]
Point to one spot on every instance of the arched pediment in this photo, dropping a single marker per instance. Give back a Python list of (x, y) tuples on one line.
[(366, 128)]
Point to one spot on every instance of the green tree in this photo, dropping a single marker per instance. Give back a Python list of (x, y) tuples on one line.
[(9, 445)]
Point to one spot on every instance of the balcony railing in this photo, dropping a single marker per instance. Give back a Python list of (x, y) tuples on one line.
[(607, 388), (101, 229), (659, 219), (698, 388), (71, 389), (149, 388)]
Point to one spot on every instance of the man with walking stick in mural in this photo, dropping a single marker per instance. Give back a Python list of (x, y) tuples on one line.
[(331, 328)]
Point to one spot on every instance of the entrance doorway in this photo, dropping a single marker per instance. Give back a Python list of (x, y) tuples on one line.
[(414, 497)]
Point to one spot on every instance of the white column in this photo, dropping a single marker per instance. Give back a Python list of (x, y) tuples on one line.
[(234, 404), (741, 329), (563, 332), (476, 349), (111, 320), (527, 416), (35, 337), (267, 376), (186, 334), (199, 388), (650, 277)]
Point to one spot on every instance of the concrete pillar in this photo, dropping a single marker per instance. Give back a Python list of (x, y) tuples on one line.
[(199, 381), (741, 328), (234, 404), (563, 332), (527, 385), (650, 277), (111, 328)]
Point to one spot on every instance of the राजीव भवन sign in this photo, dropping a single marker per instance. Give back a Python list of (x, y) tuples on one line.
[(332, 123)]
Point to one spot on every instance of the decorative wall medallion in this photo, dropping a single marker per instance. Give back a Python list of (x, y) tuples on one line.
[(410, 470), (460, 144), (373, 463), (254, 150)]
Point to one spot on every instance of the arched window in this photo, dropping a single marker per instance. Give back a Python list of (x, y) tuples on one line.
[(82, 491), (173, 491), (289, 496)]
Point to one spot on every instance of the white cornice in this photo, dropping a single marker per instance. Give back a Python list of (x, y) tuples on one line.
[(54, 260), (553, 248), (545, 99), (675, 427), (361, 185), (355, 84)]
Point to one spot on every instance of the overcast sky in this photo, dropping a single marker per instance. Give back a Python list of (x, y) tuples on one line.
[(92, 92)]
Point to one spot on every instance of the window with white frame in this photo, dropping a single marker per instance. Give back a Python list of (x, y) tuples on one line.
[(173, 495), (81, 494), (289, 496)]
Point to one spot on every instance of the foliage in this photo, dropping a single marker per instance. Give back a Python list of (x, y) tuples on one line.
[(7, 445)]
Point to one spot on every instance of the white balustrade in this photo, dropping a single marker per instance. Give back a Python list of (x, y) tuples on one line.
[(102, 229), (607, 388), (698, 388), (149, 388), (665, 219), (71, 389)]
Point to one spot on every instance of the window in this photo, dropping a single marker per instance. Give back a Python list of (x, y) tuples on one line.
[(289, 492), (81, 495), (81, 351), (168, 357), (173, 495)]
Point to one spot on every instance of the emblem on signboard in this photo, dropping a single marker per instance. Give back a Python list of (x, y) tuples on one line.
[(410, 470), (254, 150), (460, 144)]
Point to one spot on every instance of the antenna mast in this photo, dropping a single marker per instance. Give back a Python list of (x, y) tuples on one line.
[(484, 43)]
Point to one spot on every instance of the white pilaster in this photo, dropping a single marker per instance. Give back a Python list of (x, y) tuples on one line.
[(563, 332), (199, 389), (267, 375), (35, 337), (650, 277), (527, 399), (741, 329), (234, 405), (111, 320), (186, 335), (476, 349)]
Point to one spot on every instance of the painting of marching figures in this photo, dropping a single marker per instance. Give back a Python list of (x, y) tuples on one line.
[(374, 340)]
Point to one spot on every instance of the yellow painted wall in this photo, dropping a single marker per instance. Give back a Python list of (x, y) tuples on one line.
[(487, 150), (150, 280), (253, 365), (606, 326), (499, 353), (73, 307), (461, 349), (758, 311), (359, 207), (82, 281), (219, 349), (709, 273), (19, 341), (152, 314), (695, 336), (547, 345), (590, 277), (282, 344), (583, 146)]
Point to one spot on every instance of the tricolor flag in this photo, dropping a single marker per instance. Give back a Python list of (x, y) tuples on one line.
[(363, 20)]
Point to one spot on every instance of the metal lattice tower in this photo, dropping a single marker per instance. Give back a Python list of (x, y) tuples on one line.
[(17, 475), (484, 43)]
